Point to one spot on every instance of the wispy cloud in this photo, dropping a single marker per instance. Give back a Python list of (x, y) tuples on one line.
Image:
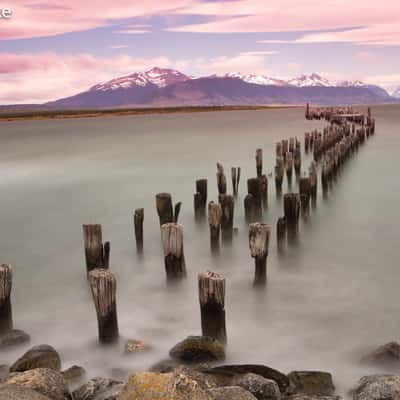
[(119, 46)]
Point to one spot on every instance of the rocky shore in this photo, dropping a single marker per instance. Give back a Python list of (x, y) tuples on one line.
[(194, 370)]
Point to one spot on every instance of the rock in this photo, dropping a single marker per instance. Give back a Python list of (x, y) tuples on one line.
[(135, 346), (312, 397), (388, 354), (258, 386), (152, 386), (12, 392), (46, 381), (230, 393), (42, 356), (311, 383), (378, 387), (13, 338), (164, 366), (226, 374), (196, 349), (98, 389), (74, 373), (205, 381)]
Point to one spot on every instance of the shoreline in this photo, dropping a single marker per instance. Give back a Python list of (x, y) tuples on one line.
[(93, 113)]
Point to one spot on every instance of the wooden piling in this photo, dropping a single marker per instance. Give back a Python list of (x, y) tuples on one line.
[(177, 211), (297, 161), (259, 234), (221, 179), (305, 194), (164, 208), (259, 162), (279, 171), (264, 191), (6, 322), (174, 258), (281, 229), (291, 206), (138, 219), (214, 221), (289, 166), (253, 201), (95, 254), (212, 305), (200, 198), (104, 286), (227, 207)]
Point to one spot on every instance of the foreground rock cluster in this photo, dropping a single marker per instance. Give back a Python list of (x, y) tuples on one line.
[(187, 374)]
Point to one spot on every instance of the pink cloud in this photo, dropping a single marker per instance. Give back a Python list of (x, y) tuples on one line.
[(33, 18)]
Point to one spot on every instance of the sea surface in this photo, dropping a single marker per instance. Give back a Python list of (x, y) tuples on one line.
[(331, 296)]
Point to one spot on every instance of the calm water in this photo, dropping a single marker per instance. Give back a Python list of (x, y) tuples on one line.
[(329, 299)]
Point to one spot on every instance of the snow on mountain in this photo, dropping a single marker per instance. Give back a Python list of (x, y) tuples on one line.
[(396, 93), (257, 79), (159, 77), (310, 80)]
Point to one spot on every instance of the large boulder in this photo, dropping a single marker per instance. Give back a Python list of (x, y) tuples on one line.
[(197, 349), (205, 381), (260, 387), (14, 337), (311, 383), (378, 387), (230, 393), (12, 392), (46, 381), (98, 389), (226, 374), (388, 354), (43, 356), (153, 386)]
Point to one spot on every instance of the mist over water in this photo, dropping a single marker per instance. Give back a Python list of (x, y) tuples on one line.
[(330, 298)]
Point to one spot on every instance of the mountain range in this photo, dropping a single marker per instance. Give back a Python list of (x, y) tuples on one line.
[(160, 87)]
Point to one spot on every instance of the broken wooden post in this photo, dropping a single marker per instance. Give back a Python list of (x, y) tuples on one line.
[(6, 323), (227, 207), (221, 179), (291, 206), (306, 142), (177, 210), (253, 201), (138, 223), (104, 287), (212, 305), (259, 234), (200, 198), (259, 162), (313, 181), (164, 208), (281, 229), (214, 221), (297, 160), (174, 258), (279, 171), (264, 191), (96, 255), (289, 166), (305, 194)]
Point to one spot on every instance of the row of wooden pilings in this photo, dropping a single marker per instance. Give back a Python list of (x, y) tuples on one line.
[(334, 146)]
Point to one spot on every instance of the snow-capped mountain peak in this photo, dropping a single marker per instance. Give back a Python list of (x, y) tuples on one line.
[(396, 93), (159, 77), (310, 80), (256, 79)]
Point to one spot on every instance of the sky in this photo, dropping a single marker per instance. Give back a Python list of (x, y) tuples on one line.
[(53, 49)]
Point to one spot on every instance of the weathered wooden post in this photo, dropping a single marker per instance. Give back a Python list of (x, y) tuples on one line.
[(259, 162), (259, 234), (235, 180), (6, 323), (289, 166), (212, 305), (214, 221), (221, 179), (305, 194), (306, 142), (291, 206), (264, 191), (200, 198), (227, 207), (138, 223), (253, 201), (313, 181), (96, 255), (174, 258), (164, 208), (177, 210), (279, 171), (308, 111), (297, 160), (281, 229), (104, 286)]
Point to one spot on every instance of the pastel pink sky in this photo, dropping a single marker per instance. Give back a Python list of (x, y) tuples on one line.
[(56, 48)]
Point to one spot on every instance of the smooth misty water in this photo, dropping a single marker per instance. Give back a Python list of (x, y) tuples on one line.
[(330, 297)]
